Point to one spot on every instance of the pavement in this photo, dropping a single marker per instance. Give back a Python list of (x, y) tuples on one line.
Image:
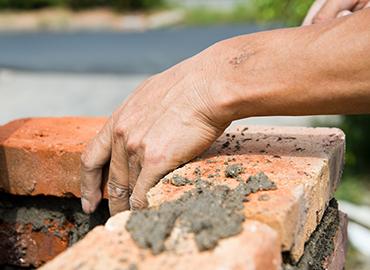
[(30, 94)]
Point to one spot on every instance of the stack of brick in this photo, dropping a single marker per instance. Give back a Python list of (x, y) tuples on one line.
[(292, 226), (40, 213)]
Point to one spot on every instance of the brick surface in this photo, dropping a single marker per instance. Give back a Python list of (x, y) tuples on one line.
[(33, 230), (42, 155), (111, 247), (305, 163), (22, 246), (337, 259)]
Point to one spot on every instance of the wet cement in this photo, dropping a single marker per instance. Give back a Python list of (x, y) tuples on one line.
[(178, 180), (259, 182), (36, 210), (62, 217), (320, 245), (234, 170), (210, 212)]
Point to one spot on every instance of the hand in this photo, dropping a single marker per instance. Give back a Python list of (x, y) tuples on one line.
[(324, 10), (168, 120)]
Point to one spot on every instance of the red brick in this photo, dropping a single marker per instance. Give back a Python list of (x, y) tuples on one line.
[(42, 155), (21, 245), (305, 163), (337, 259), (111, 247)]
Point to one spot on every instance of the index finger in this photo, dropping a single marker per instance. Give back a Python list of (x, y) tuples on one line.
[(95, 156)]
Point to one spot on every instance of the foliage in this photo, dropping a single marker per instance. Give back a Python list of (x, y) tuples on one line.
[(357, 130), (207, 16), (290, 12), (354, 188), (81, 4)]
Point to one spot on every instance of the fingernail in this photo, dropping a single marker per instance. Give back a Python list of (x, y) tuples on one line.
[(86, 206)]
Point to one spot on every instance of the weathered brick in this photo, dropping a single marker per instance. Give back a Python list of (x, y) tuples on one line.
[(111, 247), (34, 229), (305, 163), (22, 246), (42, 155), (337, 259)]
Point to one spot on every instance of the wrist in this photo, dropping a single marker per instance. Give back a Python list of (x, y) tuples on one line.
[(253, 73)]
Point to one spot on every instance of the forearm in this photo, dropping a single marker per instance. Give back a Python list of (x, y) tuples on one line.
[(320, 69)]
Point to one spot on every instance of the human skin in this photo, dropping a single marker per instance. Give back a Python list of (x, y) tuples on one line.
[(325, 10), (176, 115)]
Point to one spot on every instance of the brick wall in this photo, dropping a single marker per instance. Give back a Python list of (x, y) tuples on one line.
[(39, 167)]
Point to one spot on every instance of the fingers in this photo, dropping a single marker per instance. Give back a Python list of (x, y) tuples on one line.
[(332, 8), (96, 154), (118, 188), (323, 10), (149, 176), (314, 9), (134, 171)]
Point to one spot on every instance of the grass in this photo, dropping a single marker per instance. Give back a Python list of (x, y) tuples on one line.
[(354, 188), (206, 16)]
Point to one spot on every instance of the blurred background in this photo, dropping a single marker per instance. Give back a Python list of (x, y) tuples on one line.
[(84, 57)]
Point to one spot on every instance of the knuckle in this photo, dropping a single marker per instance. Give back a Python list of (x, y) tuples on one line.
[(153, 156), (86, 162), (117, 191), (318, 18), (133, 145), (131, 187), (119, 131), (90, 195), (136, 203)]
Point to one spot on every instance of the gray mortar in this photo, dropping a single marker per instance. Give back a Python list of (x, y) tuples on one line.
[(320, 246), (178, 180), (210, 212), (260, 181), (234, 170), (41, 211)]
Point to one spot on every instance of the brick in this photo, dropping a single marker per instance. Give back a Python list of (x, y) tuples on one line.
[(42, 155), (111, 247), (22, 246), (34, 229), (337, 259), (326, 248), (305, 163)]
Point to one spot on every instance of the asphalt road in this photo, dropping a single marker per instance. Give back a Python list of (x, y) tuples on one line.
[(110, 52)]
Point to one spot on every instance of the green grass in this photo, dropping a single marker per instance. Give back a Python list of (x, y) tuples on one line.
[(205, 16), (290, 13), (355, 189)]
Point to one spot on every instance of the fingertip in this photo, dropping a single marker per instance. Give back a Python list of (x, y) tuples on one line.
[(86, 206)]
